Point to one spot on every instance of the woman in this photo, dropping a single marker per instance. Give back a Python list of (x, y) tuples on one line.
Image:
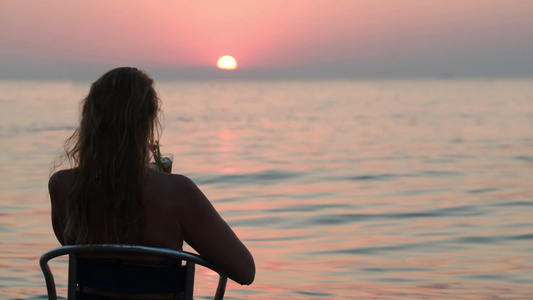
[(110, 196)]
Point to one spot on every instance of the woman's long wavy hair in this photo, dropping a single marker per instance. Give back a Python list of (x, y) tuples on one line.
[(109, 150)]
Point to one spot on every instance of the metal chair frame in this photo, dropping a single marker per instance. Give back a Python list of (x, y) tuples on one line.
[(74, 252)]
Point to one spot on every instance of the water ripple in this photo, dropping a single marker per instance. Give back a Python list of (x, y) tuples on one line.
[(514, 203), (388, 270), (268, 176), (309, 208), (15, 130), (524, 158), (480, 191), (391, 176), (373, 177), (338, 219), (493, 239)]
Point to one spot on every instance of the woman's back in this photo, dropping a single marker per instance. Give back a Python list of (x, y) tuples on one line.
[(174, 210), (159, 223)]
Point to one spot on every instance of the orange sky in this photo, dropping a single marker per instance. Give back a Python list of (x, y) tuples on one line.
[(267, 34)]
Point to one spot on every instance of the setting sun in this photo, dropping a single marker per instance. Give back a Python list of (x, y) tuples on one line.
[(227, 62)]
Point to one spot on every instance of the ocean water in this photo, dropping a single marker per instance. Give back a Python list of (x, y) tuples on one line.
[(341, 189)]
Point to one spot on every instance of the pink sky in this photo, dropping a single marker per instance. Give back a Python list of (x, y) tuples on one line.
[(268, 34)]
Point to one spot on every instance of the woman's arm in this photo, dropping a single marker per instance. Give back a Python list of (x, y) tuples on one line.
[(57, 200), (206, 231)]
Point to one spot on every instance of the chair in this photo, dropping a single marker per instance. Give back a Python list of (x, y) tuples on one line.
[(114, 271)]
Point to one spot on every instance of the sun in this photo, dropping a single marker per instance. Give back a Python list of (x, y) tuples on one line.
[(227, 62)]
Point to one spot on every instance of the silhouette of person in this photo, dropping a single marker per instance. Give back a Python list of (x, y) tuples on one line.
[(111, 196)]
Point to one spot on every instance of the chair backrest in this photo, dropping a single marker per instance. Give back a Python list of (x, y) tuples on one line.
[(121, 271)]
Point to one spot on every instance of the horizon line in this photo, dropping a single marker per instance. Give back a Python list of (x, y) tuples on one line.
[(84, 73)]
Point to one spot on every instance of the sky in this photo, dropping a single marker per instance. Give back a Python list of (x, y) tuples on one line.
[(308, 38)]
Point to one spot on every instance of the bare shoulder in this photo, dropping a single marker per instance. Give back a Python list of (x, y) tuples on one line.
[(179, 194), (174, 188), (59, 182), (58, 186), (62, 175), (164, 181)]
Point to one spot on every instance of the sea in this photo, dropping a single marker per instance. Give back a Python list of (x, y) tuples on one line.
[(340, 188)]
